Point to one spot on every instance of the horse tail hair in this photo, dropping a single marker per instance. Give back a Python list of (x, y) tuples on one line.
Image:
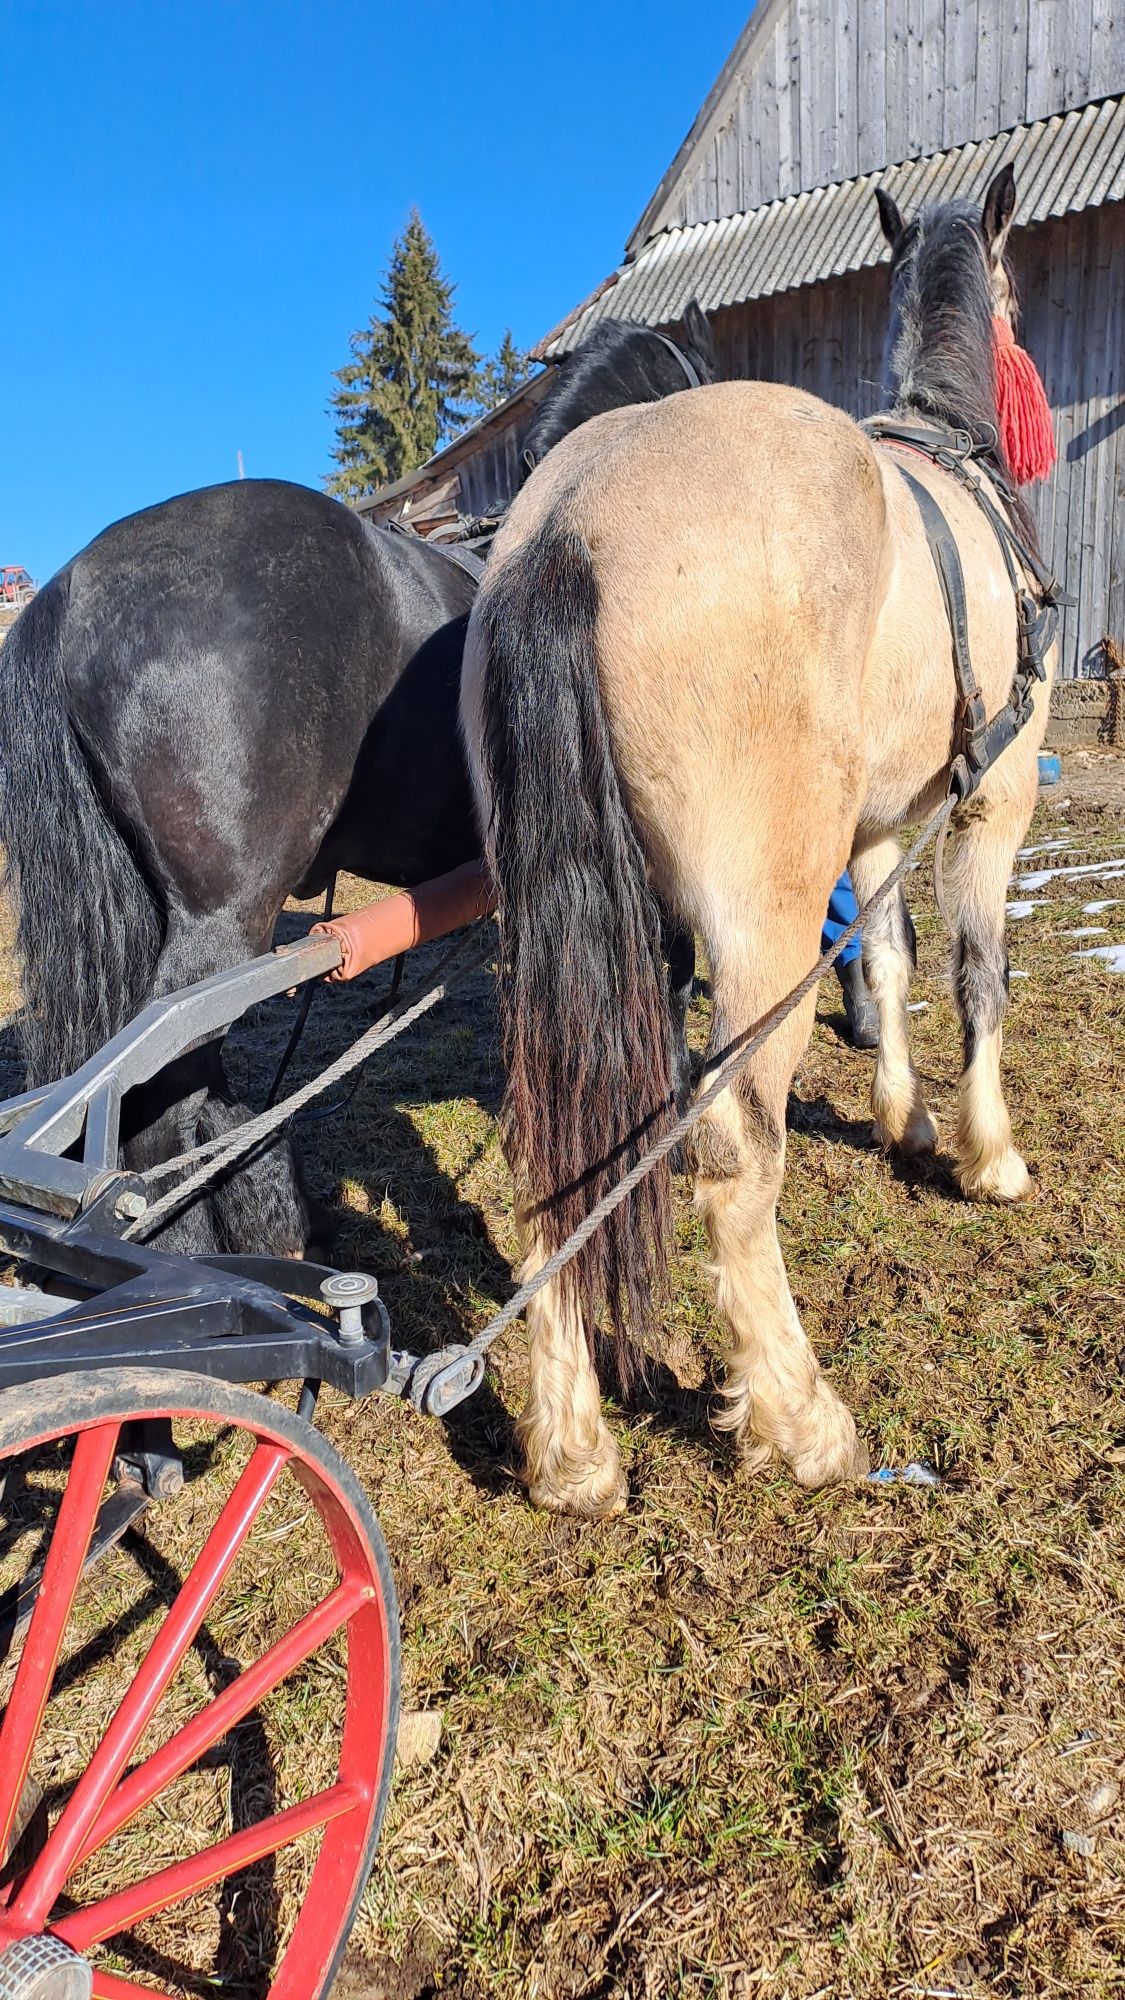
[(89, 930), (585, 1020)]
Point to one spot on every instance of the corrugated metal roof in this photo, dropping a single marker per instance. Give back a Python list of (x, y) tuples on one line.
[(1073, 161)]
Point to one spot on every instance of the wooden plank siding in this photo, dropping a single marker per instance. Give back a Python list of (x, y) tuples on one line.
[(829, 89)]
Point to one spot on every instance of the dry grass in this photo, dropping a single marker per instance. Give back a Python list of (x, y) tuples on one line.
[(744, 1741)]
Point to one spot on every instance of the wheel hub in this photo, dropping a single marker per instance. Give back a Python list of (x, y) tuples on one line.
[(44, 1968)]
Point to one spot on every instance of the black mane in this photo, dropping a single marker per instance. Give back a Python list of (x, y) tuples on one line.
[(618, 363), (940, 355)]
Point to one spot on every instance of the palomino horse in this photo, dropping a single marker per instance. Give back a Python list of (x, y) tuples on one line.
[(710, 664), (218, 704)]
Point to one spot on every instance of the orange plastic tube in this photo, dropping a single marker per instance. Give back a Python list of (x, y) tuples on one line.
[(415, 916)]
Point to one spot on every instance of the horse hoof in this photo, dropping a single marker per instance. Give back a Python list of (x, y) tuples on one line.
[(320, 1236), (599, 1496), (835, 1454), (913, 1140), (756, 1457), (580, 1506), (861, 1460), (1005, 1179), (920, 1136)]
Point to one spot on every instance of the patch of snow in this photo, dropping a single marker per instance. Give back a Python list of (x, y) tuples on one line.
[(1113, 954), (1087, 930), (1013, 974), (1095, 909), (1045, 847), (916, 1006), (1017, 910), (1111, 870)]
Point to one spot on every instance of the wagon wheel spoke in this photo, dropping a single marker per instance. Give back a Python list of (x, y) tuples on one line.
[(111, 1986), (212, 1723), (70, 1837), (62, 1571), (212, 1864)]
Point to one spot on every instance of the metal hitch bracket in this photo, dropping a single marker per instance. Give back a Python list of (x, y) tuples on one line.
[(435, 1383)]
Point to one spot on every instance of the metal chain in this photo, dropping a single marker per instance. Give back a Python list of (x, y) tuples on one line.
[(730, 1066), (216, 1155)]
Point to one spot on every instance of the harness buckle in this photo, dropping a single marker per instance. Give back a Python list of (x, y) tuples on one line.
[(1037, 627), (956, 448), (971, 733), (962, 781)]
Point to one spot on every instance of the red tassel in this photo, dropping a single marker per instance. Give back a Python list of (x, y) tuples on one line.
[(1026, 432)]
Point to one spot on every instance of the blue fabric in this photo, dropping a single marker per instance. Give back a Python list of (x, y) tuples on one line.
[(842, 910)]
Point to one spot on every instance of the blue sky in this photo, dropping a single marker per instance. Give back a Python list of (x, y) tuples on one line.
[(199, 198)]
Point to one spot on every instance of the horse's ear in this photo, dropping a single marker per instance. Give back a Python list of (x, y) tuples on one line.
[(697, 332), (889, 216), (999, 208)]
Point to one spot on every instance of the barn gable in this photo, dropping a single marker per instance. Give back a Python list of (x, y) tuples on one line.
[(818, 91)]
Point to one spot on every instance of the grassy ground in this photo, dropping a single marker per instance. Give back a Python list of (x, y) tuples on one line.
[(745, 1741)]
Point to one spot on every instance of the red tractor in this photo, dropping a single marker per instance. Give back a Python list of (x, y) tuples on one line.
[(16, 586)]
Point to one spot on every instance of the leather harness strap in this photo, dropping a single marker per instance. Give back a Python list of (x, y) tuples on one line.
[(694, 378), (978, 741), (454, 552), (971, 718), (465, 558)]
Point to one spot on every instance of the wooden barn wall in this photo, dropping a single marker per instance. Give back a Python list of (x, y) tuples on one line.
[(829, 339), (844, 87), (1072, 282), (480, 482), (491, 478)]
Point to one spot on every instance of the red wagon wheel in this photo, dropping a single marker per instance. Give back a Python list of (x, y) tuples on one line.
[(207, 1820)]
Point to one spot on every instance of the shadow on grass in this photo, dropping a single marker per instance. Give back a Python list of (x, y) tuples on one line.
[(817, 1118)]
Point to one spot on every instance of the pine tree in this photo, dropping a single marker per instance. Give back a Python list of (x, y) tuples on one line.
[(413, 378), (502, 376)]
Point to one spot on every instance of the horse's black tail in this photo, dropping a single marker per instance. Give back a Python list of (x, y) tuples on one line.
[(89, 931), (585, 1020)]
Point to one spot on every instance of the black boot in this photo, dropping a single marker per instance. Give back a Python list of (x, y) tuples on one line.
[(863, 1020)]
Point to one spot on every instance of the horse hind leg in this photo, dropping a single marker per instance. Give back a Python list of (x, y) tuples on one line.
[(261, 1209), (264, 1207), (160, 1121), (987, 832), (889, 960), (776, 1397), (571, 1463)]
